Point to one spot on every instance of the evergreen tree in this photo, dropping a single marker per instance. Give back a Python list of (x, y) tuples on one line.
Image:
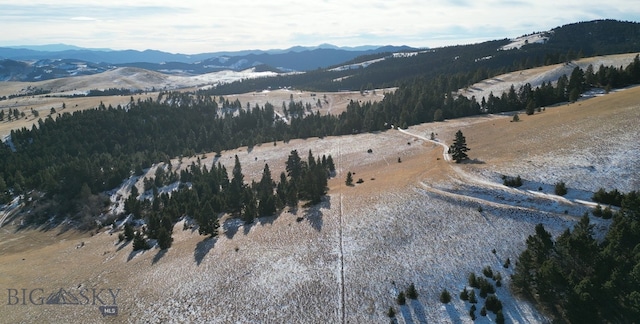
[(164, 239), (349, 181), (531, 106), (207, 221), (281, 191), (472, 297), (294, 166), (139, 242), (235, 192), (458, 149), (445, 297), (292, 197), (411, 292), (391, 313), (266, 184), (464, 294), (560, 188), (250, 208), (128, 232), (330, 165), (267, 205), (401, 299)]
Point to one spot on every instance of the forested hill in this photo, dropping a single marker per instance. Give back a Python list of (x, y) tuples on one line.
[(473, 62), (86, 153)]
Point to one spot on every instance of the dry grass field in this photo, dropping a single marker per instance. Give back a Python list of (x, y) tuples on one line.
[(414, 221), (144, 80)]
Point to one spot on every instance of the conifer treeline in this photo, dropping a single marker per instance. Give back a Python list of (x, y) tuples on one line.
[(433, 100), (579, 279), (475, 62), (99, 148), (204, 194)]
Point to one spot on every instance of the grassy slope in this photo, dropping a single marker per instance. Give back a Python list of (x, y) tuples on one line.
[(411, 224)]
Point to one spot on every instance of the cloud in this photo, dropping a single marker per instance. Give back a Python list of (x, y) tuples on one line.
[(202, 26), (84, 19)]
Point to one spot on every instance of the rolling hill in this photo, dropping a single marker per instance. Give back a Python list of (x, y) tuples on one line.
[(411, 217), (410, 222)]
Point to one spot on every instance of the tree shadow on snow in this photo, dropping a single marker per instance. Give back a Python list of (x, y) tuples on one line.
[(268, 219), (314, 217), (406, 314), (133, 254), (230, 227), (246, 227), (123, 245), (158, 256), (314, 213), (453, 314), (418, 309), (473, 161), (190, 225), (202, 249)]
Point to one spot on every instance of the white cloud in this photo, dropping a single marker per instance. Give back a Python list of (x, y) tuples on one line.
[(84, 19), (202, 26)]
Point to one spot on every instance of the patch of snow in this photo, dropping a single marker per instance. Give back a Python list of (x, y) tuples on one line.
[(357, 65), (483, 58), (517, 43), (7, 141)]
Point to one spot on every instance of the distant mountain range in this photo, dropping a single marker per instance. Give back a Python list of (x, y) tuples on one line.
[(35, 63), (330, 68)]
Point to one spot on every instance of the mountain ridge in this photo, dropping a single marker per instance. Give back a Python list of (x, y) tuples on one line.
[(106, 55)]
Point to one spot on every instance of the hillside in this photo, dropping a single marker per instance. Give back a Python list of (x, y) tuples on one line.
[(164, 159), (21, 64), (466, 63), (410, 222), (536, 76), (335, 102)]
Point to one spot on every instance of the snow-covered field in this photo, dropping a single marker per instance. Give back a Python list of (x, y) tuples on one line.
[(537, 76), (291, 271)]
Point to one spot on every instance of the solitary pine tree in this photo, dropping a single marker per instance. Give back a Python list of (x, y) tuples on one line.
[(445, 297), (349, 181), (458, 149), (412, 293)]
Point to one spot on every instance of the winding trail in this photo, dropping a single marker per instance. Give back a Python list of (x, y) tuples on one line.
[(445, 147), (473, 178)]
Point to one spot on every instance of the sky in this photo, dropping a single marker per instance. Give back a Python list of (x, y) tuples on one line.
[(198, 26)]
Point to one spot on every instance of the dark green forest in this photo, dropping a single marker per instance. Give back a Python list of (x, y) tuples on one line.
[(577, 278), (99, 148), (205, 194), (566, 43)]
